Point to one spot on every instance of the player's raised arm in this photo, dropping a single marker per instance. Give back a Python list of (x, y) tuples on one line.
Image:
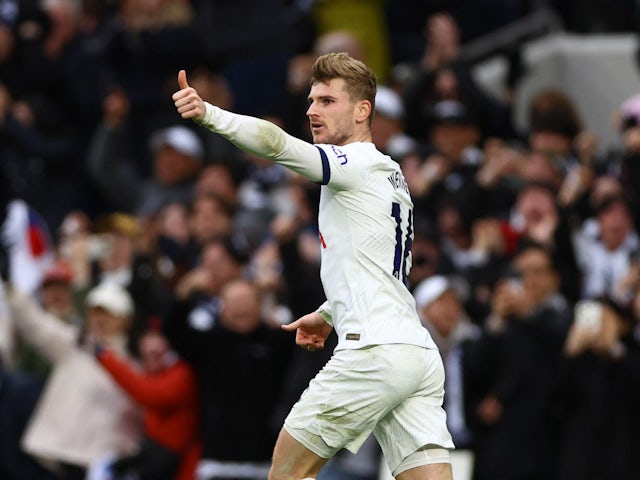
[(252, 134)]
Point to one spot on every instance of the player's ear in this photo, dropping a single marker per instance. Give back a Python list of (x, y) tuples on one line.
[(363, 110)]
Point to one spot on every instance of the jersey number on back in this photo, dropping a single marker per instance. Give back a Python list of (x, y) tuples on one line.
[(403, 243)]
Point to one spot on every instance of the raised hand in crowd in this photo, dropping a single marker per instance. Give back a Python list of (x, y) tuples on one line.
[(443, 41), (509, 299), (500, 161), (487, 237)]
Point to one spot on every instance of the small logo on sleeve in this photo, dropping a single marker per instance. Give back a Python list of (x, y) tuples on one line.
[(353, 336), (322, 242)]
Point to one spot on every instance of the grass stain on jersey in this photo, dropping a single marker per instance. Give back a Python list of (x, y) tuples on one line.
[(271, 139)]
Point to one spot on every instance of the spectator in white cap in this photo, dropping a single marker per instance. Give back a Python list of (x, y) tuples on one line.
[(176, 150), (440, 303), (82, 415), (109, 311), (177, 155), (441, 310), (388, 128)]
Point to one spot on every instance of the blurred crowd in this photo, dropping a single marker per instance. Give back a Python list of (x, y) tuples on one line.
[(148, 264)]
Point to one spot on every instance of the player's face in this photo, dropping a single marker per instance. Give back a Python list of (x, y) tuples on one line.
[(332, 114)]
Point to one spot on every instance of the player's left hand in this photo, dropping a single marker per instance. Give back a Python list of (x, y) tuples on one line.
[(311, 331)]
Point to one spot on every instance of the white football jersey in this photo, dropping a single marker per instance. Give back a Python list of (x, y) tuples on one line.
[(366, 229)]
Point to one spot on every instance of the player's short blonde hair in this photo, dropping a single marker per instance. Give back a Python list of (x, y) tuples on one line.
[(360, 81)]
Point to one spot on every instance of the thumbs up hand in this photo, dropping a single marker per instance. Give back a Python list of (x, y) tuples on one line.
[(182, 80), (187, 101)]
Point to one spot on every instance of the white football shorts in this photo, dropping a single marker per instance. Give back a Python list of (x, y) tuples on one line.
[(394, 390)]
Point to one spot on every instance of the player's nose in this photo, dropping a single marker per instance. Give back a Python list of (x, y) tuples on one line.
[(311, 111)]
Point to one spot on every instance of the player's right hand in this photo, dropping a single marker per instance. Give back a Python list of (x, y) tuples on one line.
[(187, 101)]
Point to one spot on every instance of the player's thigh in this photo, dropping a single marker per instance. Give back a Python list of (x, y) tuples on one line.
[(292, 460), (417, 422), (350, 395)]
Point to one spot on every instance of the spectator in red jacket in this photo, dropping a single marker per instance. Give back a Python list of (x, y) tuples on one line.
[(166, 389)]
